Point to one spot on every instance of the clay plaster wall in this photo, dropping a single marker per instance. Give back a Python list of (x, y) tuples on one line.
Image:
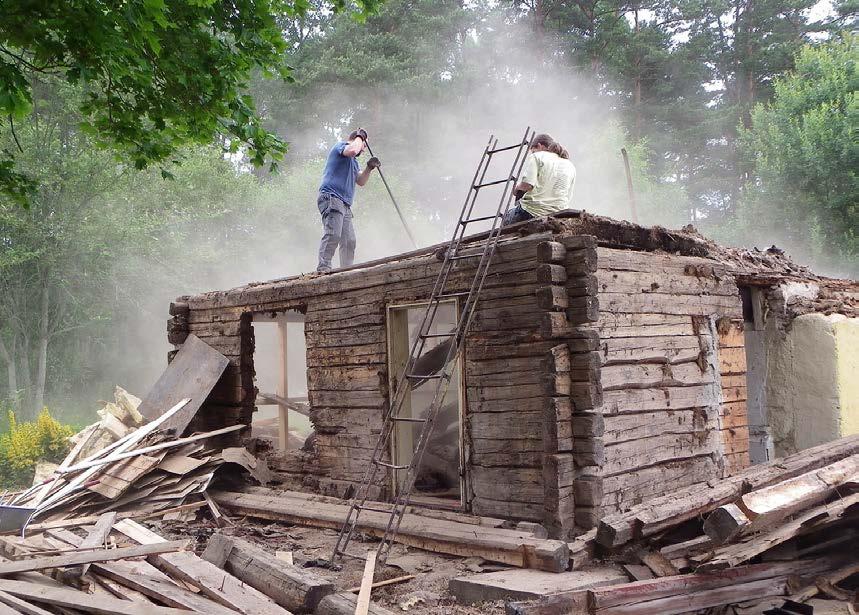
[(812, 393)]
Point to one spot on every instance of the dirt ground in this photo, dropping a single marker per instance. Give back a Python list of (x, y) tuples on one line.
[(426, 594)]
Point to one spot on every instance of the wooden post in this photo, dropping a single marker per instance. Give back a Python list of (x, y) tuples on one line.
[(282, 385), (398, 355)]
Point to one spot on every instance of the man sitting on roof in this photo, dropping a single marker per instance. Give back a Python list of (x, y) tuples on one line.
[(546, 184), (341, 174)]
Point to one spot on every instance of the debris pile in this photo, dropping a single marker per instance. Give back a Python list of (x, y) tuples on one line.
[(785, 529)]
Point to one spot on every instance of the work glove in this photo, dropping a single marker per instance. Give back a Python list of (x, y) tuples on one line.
[(374, 163)]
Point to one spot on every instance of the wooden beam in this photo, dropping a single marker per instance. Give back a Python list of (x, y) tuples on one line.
[(282, 383), (295, 589), (97, 536), (441, 536), (766, 507)]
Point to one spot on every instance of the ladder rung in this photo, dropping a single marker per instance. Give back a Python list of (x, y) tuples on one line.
[(480, 219), (504, 149), (451, 334), (374, 509), (462, 257), (464, 293), (430, 377), (496, 182), (406, 419), (393, 466)]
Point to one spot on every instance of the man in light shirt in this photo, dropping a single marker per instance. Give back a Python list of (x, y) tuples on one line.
[(546, 184)]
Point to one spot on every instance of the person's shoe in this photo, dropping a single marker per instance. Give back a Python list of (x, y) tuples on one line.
[(323, 270)]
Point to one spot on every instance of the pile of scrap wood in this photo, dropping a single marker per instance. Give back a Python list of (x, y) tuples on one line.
[(124, 464), (119, 567), (785, 529)]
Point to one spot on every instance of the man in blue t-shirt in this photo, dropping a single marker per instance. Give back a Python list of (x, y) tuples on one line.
[(335, 199)]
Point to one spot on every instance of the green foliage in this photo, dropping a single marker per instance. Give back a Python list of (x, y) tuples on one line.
[(157, 75), (25, 444), (805, 151)]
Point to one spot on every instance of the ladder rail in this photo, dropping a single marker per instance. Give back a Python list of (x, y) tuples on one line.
[(402, 499), (403, 386)]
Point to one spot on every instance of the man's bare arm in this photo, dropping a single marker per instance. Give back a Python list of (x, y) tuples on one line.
[(364, 175), (355, 147)]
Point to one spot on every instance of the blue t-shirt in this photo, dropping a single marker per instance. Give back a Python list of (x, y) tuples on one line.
[(340, 174)]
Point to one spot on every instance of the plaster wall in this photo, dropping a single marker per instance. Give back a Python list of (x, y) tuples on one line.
[(812, 395)]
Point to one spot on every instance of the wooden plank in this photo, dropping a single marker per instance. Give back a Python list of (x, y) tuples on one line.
[(73, 559), (73, 599), (363, 604), (192, 373), (21, 606), (295, 589), (97, 536), (143, 577), (442, 536), (212, 581)]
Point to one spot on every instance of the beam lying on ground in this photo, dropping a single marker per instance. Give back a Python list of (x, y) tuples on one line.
[(498, 545), (293, 588)]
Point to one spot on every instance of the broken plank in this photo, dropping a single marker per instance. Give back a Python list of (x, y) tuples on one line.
[(21, 606), (766, 507), (95, 537), (107, 555), (362, 606), (141, 576)]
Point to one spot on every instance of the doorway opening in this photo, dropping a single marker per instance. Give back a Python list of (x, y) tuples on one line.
[(280, 363), (440, 478)]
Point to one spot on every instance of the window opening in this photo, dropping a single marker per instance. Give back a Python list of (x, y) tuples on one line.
[(280, 363)]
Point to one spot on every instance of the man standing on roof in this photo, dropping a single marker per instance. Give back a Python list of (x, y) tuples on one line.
[(546, 184), (336, 191)]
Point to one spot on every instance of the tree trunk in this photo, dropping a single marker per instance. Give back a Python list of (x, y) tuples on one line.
[(25, 404), (11, 370), (42, 359)]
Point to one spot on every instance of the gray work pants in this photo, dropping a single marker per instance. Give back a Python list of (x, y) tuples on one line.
[(337, 230)]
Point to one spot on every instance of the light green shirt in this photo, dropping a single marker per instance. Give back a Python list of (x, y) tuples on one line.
[(553, 179)]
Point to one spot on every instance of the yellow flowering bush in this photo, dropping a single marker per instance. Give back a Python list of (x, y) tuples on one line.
[(27, 443)]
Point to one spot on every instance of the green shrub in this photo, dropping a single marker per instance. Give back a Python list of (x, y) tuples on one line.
[(24, 444)]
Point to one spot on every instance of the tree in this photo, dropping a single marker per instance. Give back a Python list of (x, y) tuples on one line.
[(805, 153), (157, 74)]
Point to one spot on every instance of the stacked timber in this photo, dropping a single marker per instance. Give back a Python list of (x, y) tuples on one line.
[(786, 529)]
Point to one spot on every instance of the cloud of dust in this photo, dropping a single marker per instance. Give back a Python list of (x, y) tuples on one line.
[(429, 146)]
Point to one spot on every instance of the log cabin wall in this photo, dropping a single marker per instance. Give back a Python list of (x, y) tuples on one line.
[(508, 368), (660, 375)]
